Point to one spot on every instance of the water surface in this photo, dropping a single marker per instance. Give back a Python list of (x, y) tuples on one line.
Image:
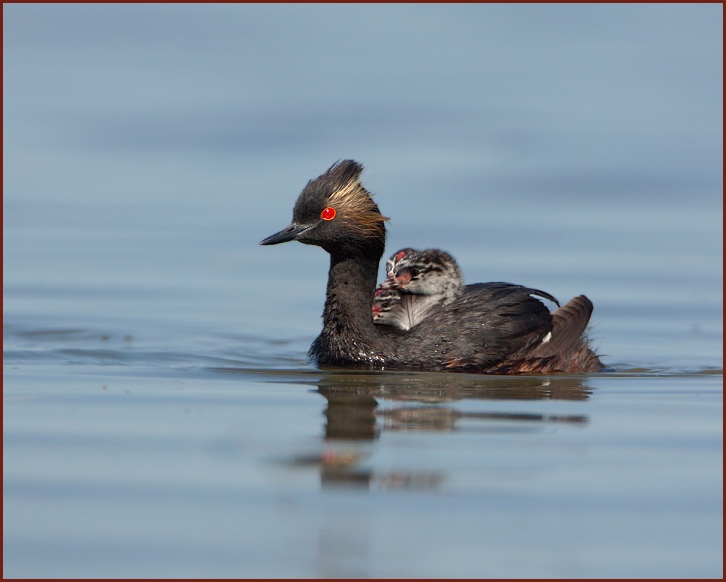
[(160, 417)]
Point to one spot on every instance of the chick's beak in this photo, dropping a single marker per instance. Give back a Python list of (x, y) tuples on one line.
[(287, 234)]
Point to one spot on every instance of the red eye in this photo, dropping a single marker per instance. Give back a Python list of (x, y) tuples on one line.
[(328, 213)]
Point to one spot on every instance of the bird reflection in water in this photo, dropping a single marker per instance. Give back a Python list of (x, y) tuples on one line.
[(421, 402)]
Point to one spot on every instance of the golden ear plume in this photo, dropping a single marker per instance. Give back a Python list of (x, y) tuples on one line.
[(356, 208)]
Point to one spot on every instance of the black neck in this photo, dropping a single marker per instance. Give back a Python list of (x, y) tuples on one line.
[(351, 284), (349, 334)]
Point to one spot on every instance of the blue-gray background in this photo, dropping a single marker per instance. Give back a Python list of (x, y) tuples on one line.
[(149, 148)]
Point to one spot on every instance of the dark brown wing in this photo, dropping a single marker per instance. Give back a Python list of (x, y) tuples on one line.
[(568, 325), (479, 330), (565, 350)]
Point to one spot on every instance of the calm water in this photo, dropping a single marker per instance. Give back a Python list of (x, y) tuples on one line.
[(160, 417)]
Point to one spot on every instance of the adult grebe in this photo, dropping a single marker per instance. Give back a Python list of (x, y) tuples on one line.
[(497, 328)]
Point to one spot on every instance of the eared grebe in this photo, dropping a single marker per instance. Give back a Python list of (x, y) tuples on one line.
[(417, 283), (497, 328)]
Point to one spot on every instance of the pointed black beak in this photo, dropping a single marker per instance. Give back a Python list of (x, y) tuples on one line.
[(287, 234)]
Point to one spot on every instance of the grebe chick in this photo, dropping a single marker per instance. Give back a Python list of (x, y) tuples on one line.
[(417, 283), (496, 328), (387, 309)]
